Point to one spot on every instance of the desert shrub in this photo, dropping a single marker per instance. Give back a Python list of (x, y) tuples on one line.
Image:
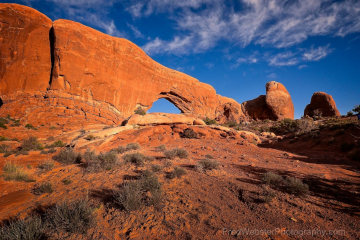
[(51, 138), (2, 138), (16, 123), (119, 149), (355, 155), (296, 186), (289, 124), (7, 154), (209, 121), (157, 199), (68, 156), (189, 133), (51, 150), (208, 164), (90, 137), (161, 148), (140, 111), (3, 121), (349, 114), (29, 126), (177, 173), (305, 126), (132, 146), (271, 178), (129, 197), (156, 168), (47, 166), (209, 156), (268, 195), (99, 162), (135, 158), (356, 109), (32, 228), (66, 181), (149, 181), (75, 216), (56, 144), (176, 152), (4, 148), (31, 144), (43, 188), (13, 172), (232, 124)]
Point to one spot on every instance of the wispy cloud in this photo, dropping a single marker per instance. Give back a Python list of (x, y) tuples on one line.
[(271, 23), (209, 65), (315, 54), (272, 76), (136, 31), (283, 59), (176, 46), (302, 66)]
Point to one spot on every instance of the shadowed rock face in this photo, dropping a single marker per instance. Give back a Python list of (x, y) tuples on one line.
[(275, 105), (322, 102)]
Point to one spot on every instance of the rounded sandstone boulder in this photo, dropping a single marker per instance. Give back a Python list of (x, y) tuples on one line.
[(321, 103)]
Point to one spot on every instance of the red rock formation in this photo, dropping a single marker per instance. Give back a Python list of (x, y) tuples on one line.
[(25, 61), (322, 102), (279, 100), (275, 105), (258, 109)]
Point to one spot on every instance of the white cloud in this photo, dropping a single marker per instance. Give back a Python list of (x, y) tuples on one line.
[(283, 59), (136, 31), (176, 46), (302, 66), (315, 54), (272, 76), (271, 23)]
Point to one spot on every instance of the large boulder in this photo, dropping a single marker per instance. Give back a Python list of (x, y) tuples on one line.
[(323, 103), (279, 100), (229, 112), (275, 105)]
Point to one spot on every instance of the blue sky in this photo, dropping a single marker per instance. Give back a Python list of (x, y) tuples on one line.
[(238, 45)]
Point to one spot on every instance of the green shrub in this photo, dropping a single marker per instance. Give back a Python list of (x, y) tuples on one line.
[(8, 154), (43, 188), (177, 173), (209, 121), (132, 146), (208, 164), (350, 113), (90, 137), (271, 178), (119, 149), (161, 148), (140, 111), (29, 126), (268, 195), (16, 123), (136, 158), (156, 168), (13, 172), (75, 217), (32, 228), (66, 181), (31, 144), (68, 156), (129, 197), (47, 166), (2, 138), (345, 147), (149, 181), (296, 186), (176, 152), (209, 156), (103, 161), (4, 148), (232, 124), (56, 144), (189, 133)]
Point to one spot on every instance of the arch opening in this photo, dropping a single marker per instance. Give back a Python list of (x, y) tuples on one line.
[(1, 102), (164, 105)]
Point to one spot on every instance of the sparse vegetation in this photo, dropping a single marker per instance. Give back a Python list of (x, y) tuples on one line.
[(132, 146), (156, 168), (75, 216), (13, 172), (51, 150), (56, 144), (2, 138), (268, 194), (177, 173), (32, 228), (189, 133), (29, 126), (271, 178), (3, 121), (68, 156), (66, 181), (209, 156), (209, 121), (103, 161), (43, 188), (129, 197), (135, 158), (208, 164), (47, 166), (161, 148), (149, 181), (4, 148), (296, 186), (140, 111), (90, 137), (176, 152)]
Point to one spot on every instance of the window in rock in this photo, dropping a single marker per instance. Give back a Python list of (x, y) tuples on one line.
[(164, 106)]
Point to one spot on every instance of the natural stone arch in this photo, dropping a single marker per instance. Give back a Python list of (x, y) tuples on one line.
[(1, 102), (179, 101)]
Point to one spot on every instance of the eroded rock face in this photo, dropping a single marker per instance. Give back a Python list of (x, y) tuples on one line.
[(275, 105), (323, 103), (279, 100), (158, 119), (229, 112), (25, 56)]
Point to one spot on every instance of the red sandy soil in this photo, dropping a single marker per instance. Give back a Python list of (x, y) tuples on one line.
[(199, 205)]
